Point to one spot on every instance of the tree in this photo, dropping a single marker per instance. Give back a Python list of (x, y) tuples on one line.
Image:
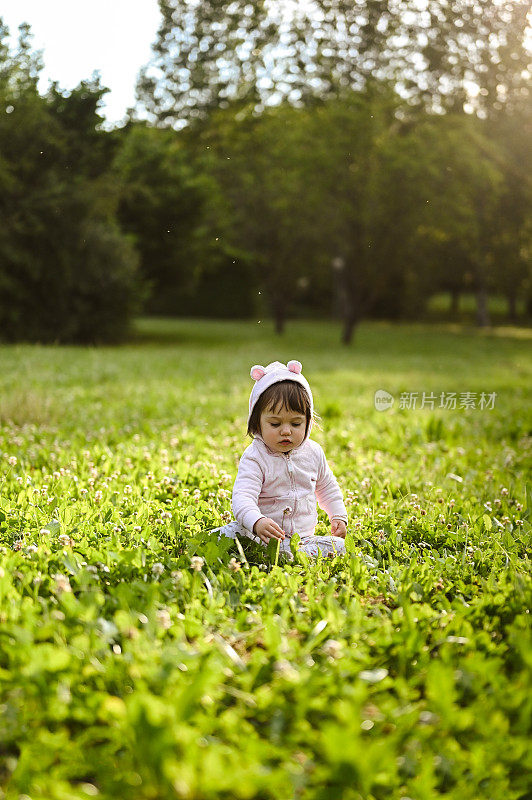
[(461, 171), (209, 55), (165, 205), (512, 134), (262, 165), (206, 56), (364, 217), (66, 271)]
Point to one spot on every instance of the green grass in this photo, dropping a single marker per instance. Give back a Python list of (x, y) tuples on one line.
[(401, 670), (439, 307)]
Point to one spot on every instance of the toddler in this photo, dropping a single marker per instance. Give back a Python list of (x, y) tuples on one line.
[(283, 472)]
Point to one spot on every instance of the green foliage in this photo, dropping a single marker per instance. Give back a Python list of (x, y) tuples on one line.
[(140, 657), (354, 206), (166, 206), (211, 55), (350, 203), (67, 273)]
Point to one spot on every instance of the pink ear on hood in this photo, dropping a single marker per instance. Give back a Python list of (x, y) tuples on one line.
[(257, 372), (295, 366)]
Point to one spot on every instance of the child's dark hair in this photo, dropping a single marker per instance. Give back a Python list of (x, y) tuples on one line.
[(283, 394)]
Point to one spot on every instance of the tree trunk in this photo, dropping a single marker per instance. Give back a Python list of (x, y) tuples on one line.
[(278, 310), (349, 327), (279, 318), (353, 306), (483, 317), (512, 307), (455, 302)]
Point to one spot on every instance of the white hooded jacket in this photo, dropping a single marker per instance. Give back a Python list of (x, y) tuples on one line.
[(284, 486)]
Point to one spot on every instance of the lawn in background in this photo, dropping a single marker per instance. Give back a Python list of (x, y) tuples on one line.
[(439, 307), (141, 658)]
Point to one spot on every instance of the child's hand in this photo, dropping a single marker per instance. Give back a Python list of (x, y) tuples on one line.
[(338, 528), (266, 529)]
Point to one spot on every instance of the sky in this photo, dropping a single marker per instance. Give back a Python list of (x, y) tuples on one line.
[(81, 36)]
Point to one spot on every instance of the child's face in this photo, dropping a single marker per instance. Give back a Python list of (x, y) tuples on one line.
[(282, 430)]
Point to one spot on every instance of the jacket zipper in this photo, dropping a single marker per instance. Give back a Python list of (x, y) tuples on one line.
[(292, 484)]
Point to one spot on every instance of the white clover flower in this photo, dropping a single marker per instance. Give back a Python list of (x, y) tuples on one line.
[(332, 648), (285, 668), (158, 568), (176, 576), (12, 460), (64, 540), (61, 583), (197, 562), (98, 496), (31, 548), (234, 565), (163, 618), (44, 532), (127, 489)]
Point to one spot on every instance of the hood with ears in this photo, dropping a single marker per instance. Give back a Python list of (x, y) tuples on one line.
[(275, 372)]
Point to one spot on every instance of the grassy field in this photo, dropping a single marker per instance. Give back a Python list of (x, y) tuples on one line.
[(141, 659), (439, 307)]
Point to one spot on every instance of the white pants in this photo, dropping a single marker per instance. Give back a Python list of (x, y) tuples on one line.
[(311, 544)]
